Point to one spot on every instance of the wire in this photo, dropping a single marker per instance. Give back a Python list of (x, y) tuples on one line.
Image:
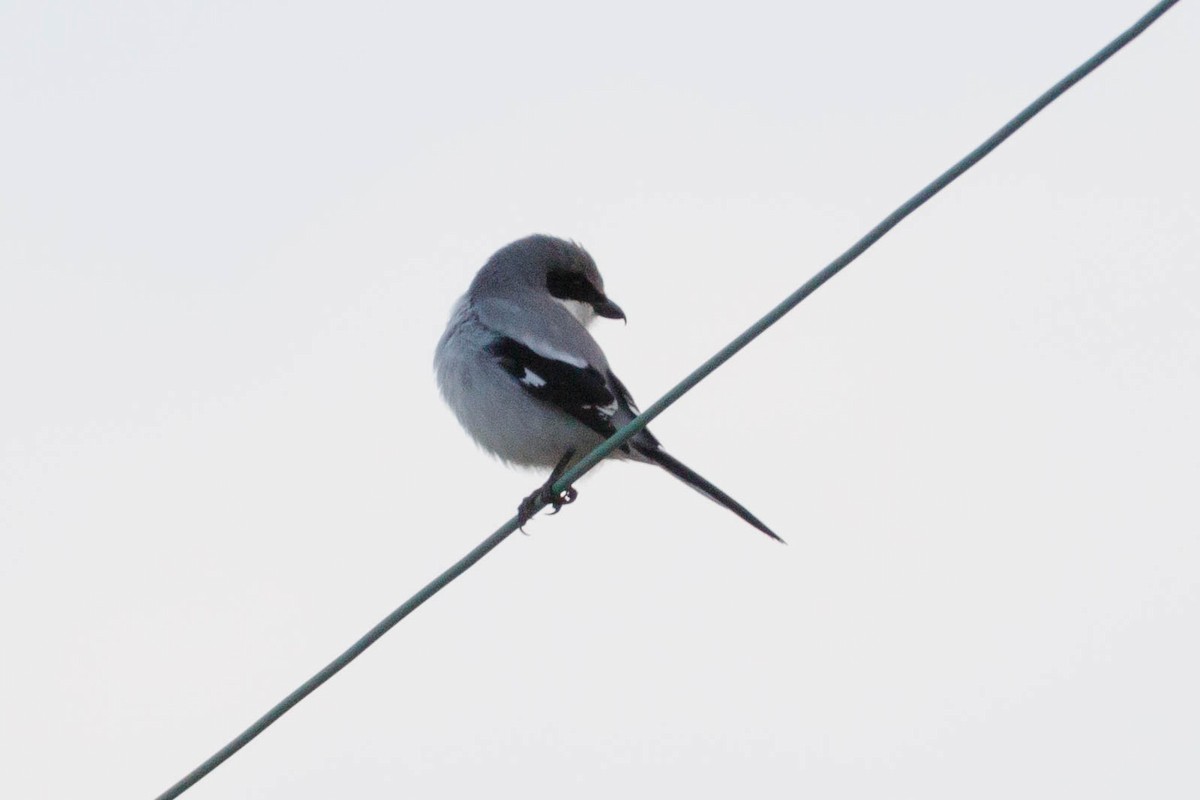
[(684, 386)]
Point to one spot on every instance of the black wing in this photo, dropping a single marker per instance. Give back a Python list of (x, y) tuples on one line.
[(581, 392)]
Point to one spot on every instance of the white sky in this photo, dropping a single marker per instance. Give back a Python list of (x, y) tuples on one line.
[(230, 235)]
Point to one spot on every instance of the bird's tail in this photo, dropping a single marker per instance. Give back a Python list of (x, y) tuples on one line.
[(683, 472)]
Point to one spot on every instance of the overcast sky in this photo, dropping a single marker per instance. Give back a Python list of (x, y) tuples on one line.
[(230, 236)]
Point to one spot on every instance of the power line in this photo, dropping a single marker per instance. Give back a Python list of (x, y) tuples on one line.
[(684, 386)]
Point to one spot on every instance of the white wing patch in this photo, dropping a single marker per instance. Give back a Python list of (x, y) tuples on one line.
[(531, 378), (605, 411), (547, 350)]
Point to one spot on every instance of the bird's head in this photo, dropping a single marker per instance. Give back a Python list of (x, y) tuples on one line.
[(559, 267)]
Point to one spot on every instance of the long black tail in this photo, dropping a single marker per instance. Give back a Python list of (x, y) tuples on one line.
[(697, 482)]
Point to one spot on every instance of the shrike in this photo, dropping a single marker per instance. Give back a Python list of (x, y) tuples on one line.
[(530, 384)]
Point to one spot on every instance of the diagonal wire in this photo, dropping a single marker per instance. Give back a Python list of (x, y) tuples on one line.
[(701, 372)]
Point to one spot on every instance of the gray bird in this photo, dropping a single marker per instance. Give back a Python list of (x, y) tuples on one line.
[(530, 384)]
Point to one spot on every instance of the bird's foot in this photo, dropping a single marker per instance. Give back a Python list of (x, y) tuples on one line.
[(545, 494)]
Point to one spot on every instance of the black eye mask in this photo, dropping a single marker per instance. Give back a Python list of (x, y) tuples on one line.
[(566, 285), (572, 286)]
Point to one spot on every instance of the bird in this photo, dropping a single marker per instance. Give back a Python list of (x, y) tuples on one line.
[(519, 369)]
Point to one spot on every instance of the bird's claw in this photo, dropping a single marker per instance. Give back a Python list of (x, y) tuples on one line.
[(565, 499), (546, 496)]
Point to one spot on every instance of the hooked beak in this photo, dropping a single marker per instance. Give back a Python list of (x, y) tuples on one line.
[(608, 309)]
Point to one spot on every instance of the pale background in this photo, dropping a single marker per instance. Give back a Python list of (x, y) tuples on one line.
[(229, 238)]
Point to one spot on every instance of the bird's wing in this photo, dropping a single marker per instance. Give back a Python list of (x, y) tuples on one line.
[(562, 380)]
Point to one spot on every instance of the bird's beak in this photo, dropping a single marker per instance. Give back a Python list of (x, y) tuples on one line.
[(608, 309)]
